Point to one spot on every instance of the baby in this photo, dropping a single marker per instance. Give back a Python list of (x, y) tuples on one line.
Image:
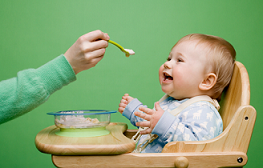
[(195, 74)]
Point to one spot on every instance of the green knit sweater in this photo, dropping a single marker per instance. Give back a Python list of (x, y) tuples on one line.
[(33, 87)]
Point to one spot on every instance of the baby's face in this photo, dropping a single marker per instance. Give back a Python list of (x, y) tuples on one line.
[(184, 70)]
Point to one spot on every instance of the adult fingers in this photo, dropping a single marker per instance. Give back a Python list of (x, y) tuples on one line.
[(95, 60), (91, 62), (92, 46), (91, 56), (95, 35)]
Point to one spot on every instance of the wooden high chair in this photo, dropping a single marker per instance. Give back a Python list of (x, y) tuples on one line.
[(226, 150)]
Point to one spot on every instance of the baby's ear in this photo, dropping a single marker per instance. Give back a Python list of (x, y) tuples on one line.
[(208, 82)]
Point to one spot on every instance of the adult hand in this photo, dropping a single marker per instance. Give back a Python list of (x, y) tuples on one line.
[(87, 51), (151, 117), (126, 99)]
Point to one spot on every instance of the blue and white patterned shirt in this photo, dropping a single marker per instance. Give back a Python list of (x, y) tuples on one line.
[(197, 122)]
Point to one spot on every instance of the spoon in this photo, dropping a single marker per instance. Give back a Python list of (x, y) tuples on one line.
[(127, 52)]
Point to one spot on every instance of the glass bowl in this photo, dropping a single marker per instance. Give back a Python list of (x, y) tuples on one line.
[(82, 118)]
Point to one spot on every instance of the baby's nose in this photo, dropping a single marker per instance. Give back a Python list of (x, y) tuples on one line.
[(167, 65)]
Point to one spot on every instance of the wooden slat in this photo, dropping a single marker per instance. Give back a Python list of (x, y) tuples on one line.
[(237, 94), (156, 160)]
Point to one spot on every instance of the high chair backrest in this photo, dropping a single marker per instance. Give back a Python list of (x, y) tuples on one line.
[(236, 95)]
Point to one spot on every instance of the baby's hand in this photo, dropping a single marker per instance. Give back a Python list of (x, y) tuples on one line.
[(126, 99), (151, 117)]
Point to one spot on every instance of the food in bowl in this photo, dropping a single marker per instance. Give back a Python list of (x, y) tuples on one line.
[(82, 118)]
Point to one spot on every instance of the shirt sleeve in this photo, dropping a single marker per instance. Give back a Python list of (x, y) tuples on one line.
[(33, 87), (130, 109), (200, 121)]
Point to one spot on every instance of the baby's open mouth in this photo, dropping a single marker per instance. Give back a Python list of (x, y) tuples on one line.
[(167, 76)]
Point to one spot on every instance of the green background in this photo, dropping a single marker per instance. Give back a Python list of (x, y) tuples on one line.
[(35, 32)]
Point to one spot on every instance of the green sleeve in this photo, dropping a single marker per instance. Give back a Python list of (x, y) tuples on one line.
[(33, 87)]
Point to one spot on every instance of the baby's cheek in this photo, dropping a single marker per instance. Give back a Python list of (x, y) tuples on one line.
[(179, 80)]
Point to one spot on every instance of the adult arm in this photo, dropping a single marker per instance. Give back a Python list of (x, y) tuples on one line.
[(33, 87)]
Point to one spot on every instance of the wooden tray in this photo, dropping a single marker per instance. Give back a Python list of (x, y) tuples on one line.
[(114, 143)]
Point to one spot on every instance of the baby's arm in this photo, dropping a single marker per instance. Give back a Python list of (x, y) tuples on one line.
[(196, 123)]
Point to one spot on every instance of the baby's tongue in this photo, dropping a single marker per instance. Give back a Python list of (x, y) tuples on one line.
[(170, 78)]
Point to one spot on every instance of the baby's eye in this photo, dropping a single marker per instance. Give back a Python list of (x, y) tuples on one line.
[(180, 60), (168, 59)]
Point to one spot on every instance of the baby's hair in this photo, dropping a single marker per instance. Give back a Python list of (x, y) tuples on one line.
[(221, 56)]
